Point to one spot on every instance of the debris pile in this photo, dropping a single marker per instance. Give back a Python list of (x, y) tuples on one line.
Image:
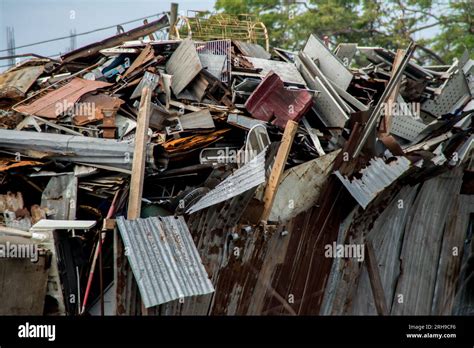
[(218, 172)]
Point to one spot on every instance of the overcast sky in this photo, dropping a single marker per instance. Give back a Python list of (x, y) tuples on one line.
[(38, 20)]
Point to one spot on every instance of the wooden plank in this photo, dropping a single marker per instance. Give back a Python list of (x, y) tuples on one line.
[(116, 40), (138, 166), (375, 280), (278, 167), (387, 120)]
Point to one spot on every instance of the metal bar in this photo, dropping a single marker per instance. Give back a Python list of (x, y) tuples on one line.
[(388, 91)]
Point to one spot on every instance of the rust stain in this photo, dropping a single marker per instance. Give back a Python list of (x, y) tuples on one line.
[(59, 100)]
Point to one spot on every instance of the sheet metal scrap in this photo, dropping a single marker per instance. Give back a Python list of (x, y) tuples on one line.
[(243, 179), (16, 82), (272, 99), (217, 109), (58, 101), (376, 177), (164, 259)]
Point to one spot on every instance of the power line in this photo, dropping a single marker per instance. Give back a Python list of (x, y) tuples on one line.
[(84, 33)]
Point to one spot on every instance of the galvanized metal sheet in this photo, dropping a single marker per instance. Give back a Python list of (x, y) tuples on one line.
[(375, 177), (287, 71), (300, 187), (329, 64), (454, 89), (243, 179), (324, 105), (164, 259), (213, 63), (184, 64)]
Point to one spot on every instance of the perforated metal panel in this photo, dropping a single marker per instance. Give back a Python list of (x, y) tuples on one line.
[(406, 127), (454, 89)]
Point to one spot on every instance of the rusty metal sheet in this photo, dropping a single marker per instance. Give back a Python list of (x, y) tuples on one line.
[(15, 83), (60, 100), (272, 99), (193, 142), (100, 102), (9, 164), (145, 56)]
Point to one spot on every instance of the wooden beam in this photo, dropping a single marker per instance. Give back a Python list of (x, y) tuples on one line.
[(375, 280), (278, 167), (139, 156), (387, 120), (116, 40)]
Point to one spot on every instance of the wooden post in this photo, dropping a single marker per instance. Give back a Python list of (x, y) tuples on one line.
[(139, 156), (278, 167), (173, 19), (375, 280), (387, 122)]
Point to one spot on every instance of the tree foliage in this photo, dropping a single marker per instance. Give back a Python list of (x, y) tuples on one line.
[(442, 29)]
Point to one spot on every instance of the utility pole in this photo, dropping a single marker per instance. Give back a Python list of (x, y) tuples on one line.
[(173, 19), (11, 45), (72, 40)]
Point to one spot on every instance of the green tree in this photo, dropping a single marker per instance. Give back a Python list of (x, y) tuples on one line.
[(443, 30)]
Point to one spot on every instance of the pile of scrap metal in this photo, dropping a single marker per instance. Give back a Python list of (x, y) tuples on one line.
[(222, 176)]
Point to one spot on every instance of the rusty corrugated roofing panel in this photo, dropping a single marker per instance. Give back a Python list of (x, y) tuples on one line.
[(271, 98), (164, 259), (15, 83), (54, 103)]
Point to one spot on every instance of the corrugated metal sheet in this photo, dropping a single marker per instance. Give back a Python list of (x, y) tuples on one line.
[(423, 244), (243, 179), (56, 101), (164, 259), (184, 64), (375, 177), (15, 83), (272, 99)]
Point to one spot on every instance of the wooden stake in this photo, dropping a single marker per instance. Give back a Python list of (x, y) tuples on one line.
[(278, 167), (139, 156)]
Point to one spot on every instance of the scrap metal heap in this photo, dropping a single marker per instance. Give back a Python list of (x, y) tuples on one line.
[(216, 177)]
